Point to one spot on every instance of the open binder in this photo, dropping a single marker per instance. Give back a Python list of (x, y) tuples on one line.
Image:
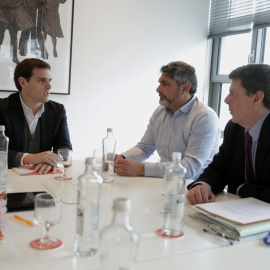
[(244, 217)]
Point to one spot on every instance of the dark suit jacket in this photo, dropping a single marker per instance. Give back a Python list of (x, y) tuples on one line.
[(228, 166), (53, 126)]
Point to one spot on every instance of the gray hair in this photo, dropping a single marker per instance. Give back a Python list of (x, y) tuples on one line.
[(181, 72)]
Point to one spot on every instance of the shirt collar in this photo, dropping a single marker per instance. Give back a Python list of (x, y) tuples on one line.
[(186, 108), (28, 110), (254, 131)]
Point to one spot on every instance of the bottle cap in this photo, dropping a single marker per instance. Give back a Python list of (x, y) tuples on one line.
[(176, 155), (90, 161), (109, 130), (121, 205), (2, 127)]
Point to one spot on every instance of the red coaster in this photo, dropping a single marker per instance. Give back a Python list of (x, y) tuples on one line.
[(54, 243), (62, 179), (159, 232)]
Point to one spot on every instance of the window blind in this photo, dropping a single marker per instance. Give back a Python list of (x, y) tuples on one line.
[(230, 17)]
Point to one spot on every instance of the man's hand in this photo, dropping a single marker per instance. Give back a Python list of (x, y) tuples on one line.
[(118, 157), (125, 167), (47, 157), (43, 168), (200, 194), (3, 210)]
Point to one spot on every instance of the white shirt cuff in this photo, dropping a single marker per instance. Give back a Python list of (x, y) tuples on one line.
[(22, 164)]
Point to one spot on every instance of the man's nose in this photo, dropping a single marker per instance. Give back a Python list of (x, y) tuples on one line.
[(49, 86), (226, 100)]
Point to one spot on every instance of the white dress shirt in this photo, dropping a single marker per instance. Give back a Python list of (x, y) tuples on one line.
[(31, 119)]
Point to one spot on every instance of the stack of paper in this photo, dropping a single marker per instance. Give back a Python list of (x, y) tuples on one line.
[(247, 216)]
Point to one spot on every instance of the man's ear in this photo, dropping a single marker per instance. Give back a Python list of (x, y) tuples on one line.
[(258, 97), (186, 87), (22, 81)]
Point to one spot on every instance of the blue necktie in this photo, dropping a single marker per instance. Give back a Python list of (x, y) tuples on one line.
[(249, 166)]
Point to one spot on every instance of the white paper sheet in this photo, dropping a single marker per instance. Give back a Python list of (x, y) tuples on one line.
[(243, 211)]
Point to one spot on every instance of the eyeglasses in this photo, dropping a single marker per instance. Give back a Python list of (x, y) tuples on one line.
[(228, 235)]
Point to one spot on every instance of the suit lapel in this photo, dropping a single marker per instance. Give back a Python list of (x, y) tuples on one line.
[(45, 128), (42, 129), (238, 162), (263, 147), (17, 117)]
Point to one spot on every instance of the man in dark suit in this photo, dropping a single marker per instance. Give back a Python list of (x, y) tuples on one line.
[(243, 161), (34, 124)]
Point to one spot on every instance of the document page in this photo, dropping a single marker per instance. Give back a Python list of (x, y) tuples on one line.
[(243, 211), (24, 170)]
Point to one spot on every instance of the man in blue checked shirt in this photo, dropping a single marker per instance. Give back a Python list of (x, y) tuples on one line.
[(180, 124)]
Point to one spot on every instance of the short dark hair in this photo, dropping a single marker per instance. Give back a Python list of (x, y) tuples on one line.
[(25, 69), (254, 78), (181, 72)]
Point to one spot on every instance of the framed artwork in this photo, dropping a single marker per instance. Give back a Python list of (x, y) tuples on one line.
[(36, 29)]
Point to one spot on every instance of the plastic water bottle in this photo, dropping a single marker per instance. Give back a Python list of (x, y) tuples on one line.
[(119, 241), (86, 243), (3, 156), (174, 197), (108, 155)]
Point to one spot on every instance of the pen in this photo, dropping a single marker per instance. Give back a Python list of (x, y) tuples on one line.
[(266, 239), (28, 222), (221, 236)]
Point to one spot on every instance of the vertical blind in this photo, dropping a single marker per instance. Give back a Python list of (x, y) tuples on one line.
[(230, 17)]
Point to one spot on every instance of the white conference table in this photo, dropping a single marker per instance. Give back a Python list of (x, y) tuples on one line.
[(196, 250)]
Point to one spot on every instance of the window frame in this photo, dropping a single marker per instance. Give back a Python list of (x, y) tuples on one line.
[(216, 80)]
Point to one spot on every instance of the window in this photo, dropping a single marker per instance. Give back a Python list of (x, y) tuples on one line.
[(229, 53), (234, 52), (240, 30)]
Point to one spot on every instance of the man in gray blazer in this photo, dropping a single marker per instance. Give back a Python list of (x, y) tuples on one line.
[(243, 161)]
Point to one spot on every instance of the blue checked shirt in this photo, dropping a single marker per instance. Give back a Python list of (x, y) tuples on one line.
[(193, 130)]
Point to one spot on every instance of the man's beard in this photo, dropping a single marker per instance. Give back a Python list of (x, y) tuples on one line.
[(165, 102)]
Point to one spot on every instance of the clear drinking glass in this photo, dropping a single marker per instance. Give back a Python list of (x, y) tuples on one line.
[(4, 140), (97, 155), (163, 189), (3, 186), (64, 161), (163, 184), (3, 173), (46, 214)]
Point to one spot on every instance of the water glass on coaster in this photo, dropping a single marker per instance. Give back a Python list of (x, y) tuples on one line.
[(46, 214)]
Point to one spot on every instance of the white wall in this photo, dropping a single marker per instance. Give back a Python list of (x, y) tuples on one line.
[(118, 49)]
